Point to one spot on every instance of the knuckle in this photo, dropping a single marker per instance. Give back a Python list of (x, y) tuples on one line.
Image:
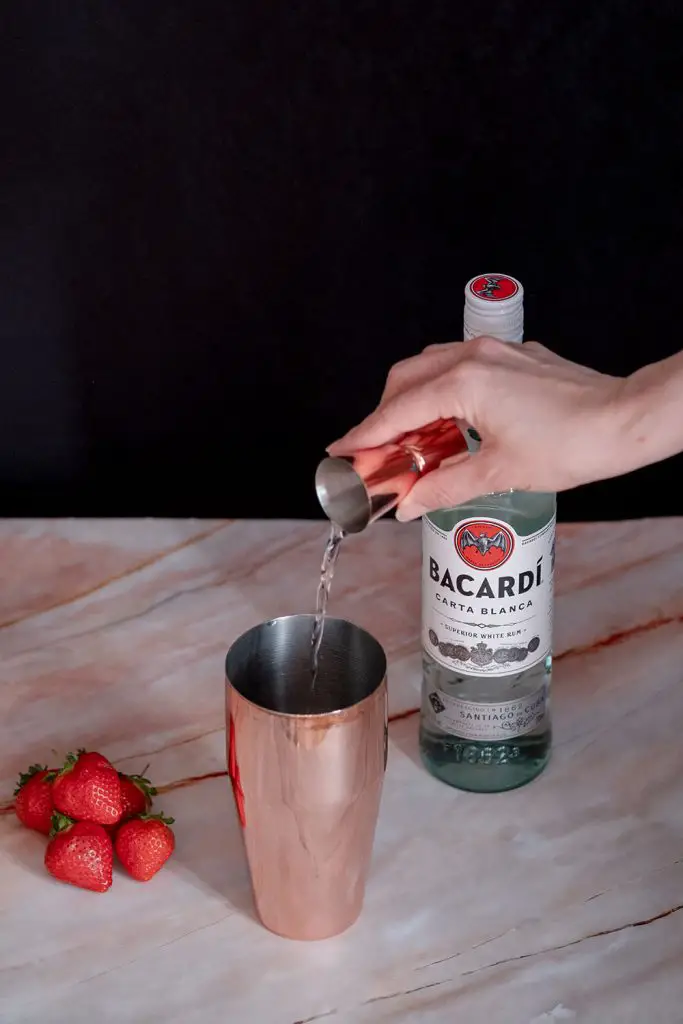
[(483, 347), (467, 372), (438, 347), (477, 358), (435, 491), (400, 370), (534, 350), (440, 495)]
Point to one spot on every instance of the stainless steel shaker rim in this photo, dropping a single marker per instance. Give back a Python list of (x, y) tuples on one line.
[(237, 658)]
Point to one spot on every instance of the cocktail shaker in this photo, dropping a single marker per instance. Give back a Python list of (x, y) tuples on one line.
[(307, 766), (355, 490)]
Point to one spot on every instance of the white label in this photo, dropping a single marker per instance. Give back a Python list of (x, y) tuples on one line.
[(487, 596), (492, 722)]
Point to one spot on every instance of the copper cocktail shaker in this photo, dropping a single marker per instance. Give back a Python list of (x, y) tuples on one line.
[(355, 490), (307, 765)]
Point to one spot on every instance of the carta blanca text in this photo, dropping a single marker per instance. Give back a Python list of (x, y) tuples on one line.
[(484, 610)]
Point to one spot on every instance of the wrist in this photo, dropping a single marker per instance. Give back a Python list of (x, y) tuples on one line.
[(646, 416)]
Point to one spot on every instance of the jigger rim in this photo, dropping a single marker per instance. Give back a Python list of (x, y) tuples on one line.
[(340, 470), (301, 716)]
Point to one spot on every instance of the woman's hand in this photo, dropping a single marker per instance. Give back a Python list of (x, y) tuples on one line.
[(546, 424)]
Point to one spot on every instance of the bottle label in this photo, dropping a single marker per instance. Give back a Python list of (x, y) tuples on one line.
[(490, 722), (487, 596)]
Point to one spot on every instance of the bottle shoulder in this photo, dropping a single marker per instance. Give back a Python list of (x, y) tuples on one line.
[(525, 511)]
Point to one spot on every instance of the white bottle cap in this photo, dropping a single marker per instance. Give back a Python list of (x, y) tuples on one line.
[(494, 305)]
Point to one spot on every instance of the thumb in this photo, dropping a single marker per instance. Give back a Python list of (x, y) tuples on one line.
[(456, 481)]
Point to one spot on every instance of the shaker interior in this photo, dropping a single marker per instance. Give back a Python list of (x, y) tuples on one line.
[(271, 666)]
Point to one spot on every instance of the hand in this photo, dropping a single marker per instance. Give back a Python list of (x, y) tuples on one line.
[(546, 424)]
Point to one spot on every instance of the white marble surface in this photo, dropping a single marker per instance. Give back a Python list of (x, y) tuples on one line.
[(562, 901)]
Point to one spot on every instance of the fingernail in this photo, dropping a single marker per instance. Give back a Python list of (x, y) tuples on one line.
[(341, 446), (406, 515)]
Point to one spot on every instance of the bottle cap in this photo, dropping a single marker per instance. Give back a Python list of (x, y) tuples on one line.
[(494, 305)]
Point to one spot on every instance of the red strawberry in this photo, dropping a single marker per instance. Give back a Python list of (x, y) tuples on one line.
[(144, 844), (80, 853), (33, 805), (136, 795), (88, 788)]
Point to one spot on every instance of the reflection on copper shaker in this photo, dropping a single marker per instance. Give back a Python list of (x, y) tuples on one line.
[(355, 490), (307, 767)]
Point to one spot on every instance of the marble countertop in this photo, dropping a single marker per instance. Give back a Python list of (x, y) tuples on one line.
[(562, 901)]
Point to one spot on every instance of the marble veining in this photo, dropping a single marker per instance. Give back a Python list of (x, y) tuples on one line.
[(562, 901)]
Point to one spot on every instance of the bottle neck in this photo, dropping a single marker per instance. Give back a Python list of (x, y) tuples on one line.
[(506, 326)]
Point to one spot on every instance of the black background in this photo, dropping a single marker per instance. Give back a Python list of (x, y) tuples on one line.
[(222, 222)]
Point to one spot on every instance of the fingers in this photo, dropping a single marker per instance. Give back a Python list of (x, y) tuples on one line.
[(418, 379), (403, 376), (455, 481), (433, 385), (423, 403), (432, 360)]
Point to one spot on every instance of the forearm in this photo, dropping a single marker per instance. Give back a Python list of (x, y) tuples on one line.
[(652, 414)]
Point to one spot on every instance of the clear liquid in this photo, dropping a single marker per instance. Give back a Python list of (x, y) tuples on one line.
[(329, 562), (476, 765)]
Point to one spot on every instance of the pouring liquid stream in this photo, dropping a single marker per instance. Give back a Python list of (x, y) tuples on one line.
[(329, 562)]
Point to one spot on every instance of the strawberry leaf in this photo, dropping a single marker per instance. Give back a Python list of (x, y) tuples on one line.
[(157, 817), (25, 776), (142, 782), (70, 762), (60, 823)]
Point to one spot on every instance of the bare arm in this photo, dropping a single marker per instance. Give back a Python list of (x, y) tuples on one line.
[(653, 404)]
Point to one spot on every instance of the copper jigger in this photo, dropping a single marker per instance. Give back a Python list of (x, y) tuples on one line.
[(355, 490), (307, 765)]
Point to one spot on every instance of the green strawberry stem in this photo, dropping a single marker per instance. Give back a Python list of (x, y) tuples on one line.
[(157, 817), (142, 782), (69, 763), (60, 823), (33, 770), (71, 760)]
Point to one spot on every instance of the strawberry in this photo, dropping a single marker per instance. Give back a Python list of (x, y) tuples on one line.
[(80, 853), (88, 788), (33, 804), (144, 844), (136, 795)]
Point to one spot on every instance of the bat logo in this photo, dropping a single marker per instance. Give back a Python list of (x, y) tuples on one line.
[(490, 285), (483, 544), (494, 287)]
